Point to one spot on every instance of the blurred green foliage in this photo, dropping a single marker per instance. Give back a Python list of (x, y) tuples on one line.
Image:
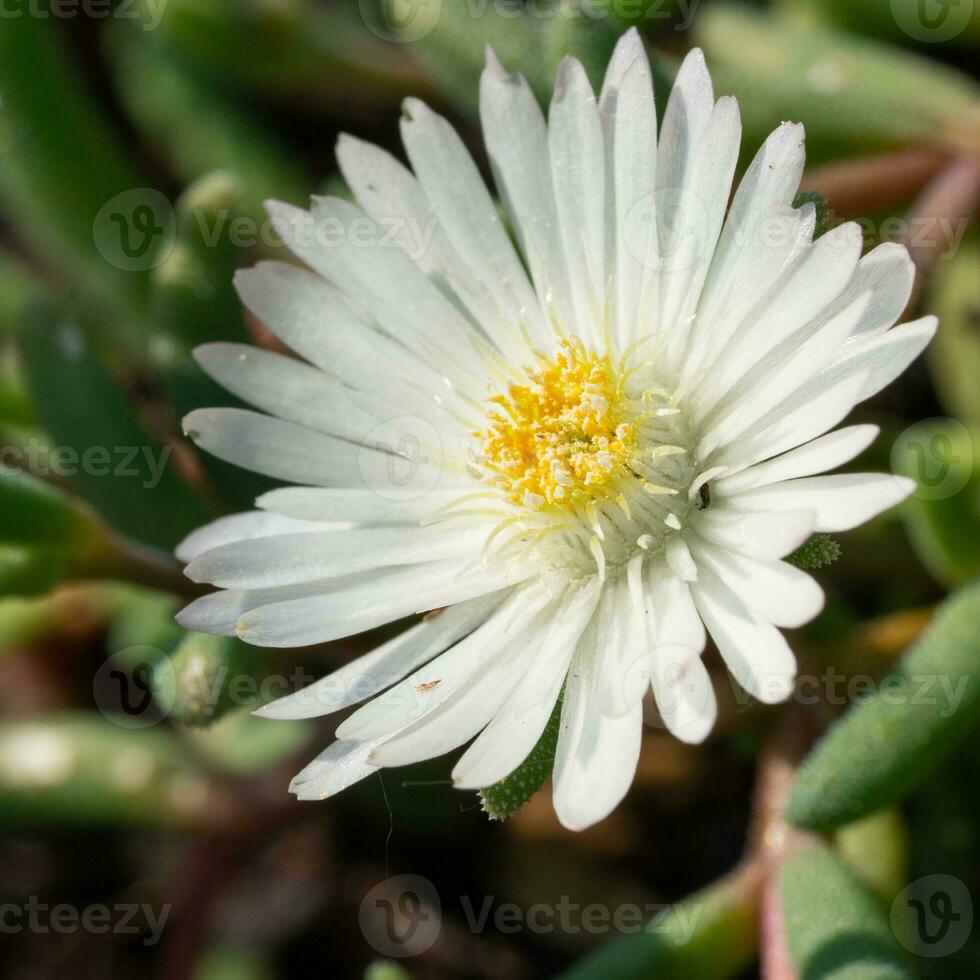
[(135, 158)]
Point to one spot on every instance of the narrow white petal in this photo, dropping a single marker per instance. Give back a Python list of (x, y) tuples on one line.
[(280, 449), (506, 742), (517, 143), (754, 651), (841, 501), (372, 599), (311, 555), (471, 222), (286, 388), (412, 699), (341, 765), (766, 536), (578, 174), (365, 676), (780, 593), (823, 454), (597, 753), (238, 527)]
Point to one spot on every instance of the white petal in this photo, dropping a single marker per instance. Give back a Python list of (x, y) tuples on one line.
[(341, 765), (887, 272), (882, 358), (793, 422), (681, 686), (469, 218), (683, 692), (517, 143), (777, 377), (351, 505), (680, 560), (283, 450), (753, 650), (578, 175), (372, 599), (286, 388), (311, 555), (629, 122), (365, 676), (507, 741), (780, 593), (765, 536), (316, 321), (597, 753), (412, 699), (688, 246), (826, 453), (237, 527), (750, 250), (841, 501)]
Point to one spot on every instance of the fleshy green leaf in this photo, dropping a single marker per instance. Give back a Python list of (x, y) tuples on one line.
[(504, 799), (942, 517), (875, 848), (207, 676), (817, 551), (454, 50), (881, 750), (954, 354), (62, 162), (836, 930), (853, 95), (301, 50), (819, 201), (100, 449), (712, 934), (198, 129)]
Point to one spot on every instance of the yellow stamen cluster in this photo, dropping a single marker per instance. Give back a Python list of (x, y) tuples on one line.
[(562, 438)]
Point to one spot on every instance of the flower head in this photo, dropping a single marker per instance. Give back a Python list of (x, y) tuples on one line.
[(586, 452)]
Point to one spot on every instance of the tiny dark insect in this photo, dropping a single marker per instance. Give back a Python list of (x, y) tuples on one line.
[(704, 497)]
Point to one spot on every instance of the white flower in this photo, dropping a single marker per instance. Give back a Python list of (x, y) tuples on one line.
[(585, 451)]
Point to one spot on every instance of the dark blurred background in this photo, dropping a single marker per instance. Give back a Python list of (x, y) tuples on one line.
[(138, 141)]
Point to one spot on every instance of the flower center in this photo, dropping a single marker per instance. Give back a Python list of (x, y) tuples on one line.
[(563, 437)]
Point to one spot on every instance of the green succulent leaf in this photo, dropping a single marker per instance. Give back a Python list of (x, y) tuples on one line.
[(454, 49), (853, 95), (954, 354), (817, 551), (943, 516), (883, 749), (875, 848), (99, 447), (197, 128), (41, 164), (207, 676), (713, 933), (836, 929), (504, 799)]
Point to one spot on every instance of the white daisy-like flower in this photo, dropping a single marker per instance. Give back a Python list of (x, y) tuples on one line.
[(585, 452)]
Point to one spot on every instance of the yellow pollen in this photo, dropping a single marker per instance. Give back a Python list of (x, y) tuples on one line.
[(562, 438)]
